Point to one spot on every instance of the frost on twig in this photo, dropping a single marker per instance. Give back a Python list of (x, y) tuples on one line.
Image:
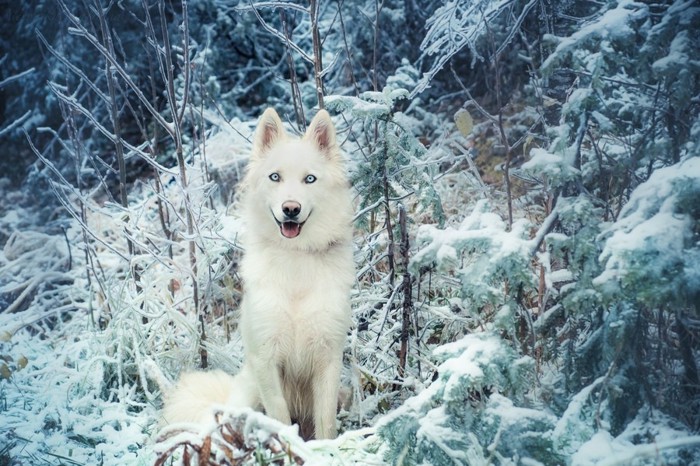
[(246, 438), (25, 252)]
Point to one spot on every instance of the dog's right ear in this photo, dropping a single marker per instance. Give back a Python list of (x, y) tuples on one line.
[(268, 132)]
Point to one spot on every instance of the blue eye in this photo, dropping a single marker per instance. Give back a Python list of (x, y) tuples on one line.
[(275, 177), (309, 179)]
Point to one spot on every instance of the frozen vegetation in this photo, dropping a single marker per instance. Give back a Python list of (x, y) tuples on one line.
[(527, 238)]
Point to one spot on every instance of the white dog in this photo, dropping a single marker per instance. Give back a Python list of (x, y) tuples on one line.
[(297, 273)]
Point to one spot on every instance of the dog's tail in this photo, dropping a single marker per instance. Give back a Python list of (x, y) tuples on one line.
[(197, 395)]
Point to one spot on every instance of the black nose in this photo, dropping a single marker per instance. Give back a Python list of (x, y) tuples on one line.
[(291, 209)]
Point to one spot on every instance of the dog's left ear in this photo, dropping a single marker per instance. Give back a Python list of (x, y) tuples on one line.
[(322, 133)]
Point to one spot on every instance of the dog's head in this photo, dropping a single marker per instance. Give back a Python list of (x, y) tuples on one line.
[(296, 188)]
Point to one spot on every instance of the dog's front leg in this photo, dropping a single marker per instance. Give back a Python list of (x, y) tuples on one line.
[(325, 386), (267, 376)]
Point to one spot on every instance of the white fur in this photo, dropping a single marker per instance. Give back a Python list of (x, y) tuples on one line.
[(296, 311), (195, 395)]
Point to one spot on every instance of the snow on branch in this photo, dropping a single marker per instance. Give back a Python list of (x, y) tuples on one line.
[(282, 37), (480, 251), (650, 248), (611, 23), (18, 122), (457, 25), (111, 59), (245, 438), (16, 77)]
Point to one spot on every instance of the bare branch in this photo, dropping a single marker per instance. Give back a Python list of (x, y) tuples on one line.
[(133, 150), (281, 36), (16, 77), (316, 40), (283, 5), (81, 30), (18, 122)]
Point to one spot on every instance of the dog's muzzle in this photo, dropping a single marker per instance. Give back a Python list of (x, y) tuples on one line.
[(290, 227)]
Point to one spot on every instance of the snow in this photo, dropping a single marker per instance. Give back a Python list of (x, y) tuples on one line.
[(370, 104), (231, 144), (562, 275), (490, 376), (554, 166), (651, 224), (602, 446), (614, 23), (605, 450), (604, 122), (58, 406), (453, 27), (481, 229), (52, 397), (664, 226), (572, 429), (677, 54), (434, 429)]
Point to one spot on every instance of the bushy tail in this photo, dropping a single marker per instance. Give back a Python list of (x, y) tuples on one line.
[(197, 396)]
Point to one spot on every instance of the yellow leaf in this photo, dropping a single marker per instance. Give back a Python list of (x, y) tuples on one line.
[(22, 362), (5, 372), (464, 122)]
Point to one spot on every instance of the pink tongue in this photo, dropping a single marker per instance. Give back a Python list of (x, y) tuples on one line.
[(290, 229)]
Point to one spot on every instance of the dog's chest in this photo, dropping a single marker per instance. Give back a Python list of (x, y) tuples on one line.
[(296, 301)]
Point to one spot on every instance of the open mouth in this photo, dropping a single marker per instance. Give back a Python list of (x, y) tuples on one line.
[(290, 229)]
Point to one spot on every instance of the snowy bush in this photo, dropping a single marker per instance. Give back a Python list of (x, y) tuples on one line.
[(467, 416), (651, 252), (395, 165), (491, 263)]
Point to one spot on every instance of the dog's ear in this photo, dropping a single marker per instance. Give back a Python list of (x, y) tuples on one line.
[(322, 133), (268, 132)]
